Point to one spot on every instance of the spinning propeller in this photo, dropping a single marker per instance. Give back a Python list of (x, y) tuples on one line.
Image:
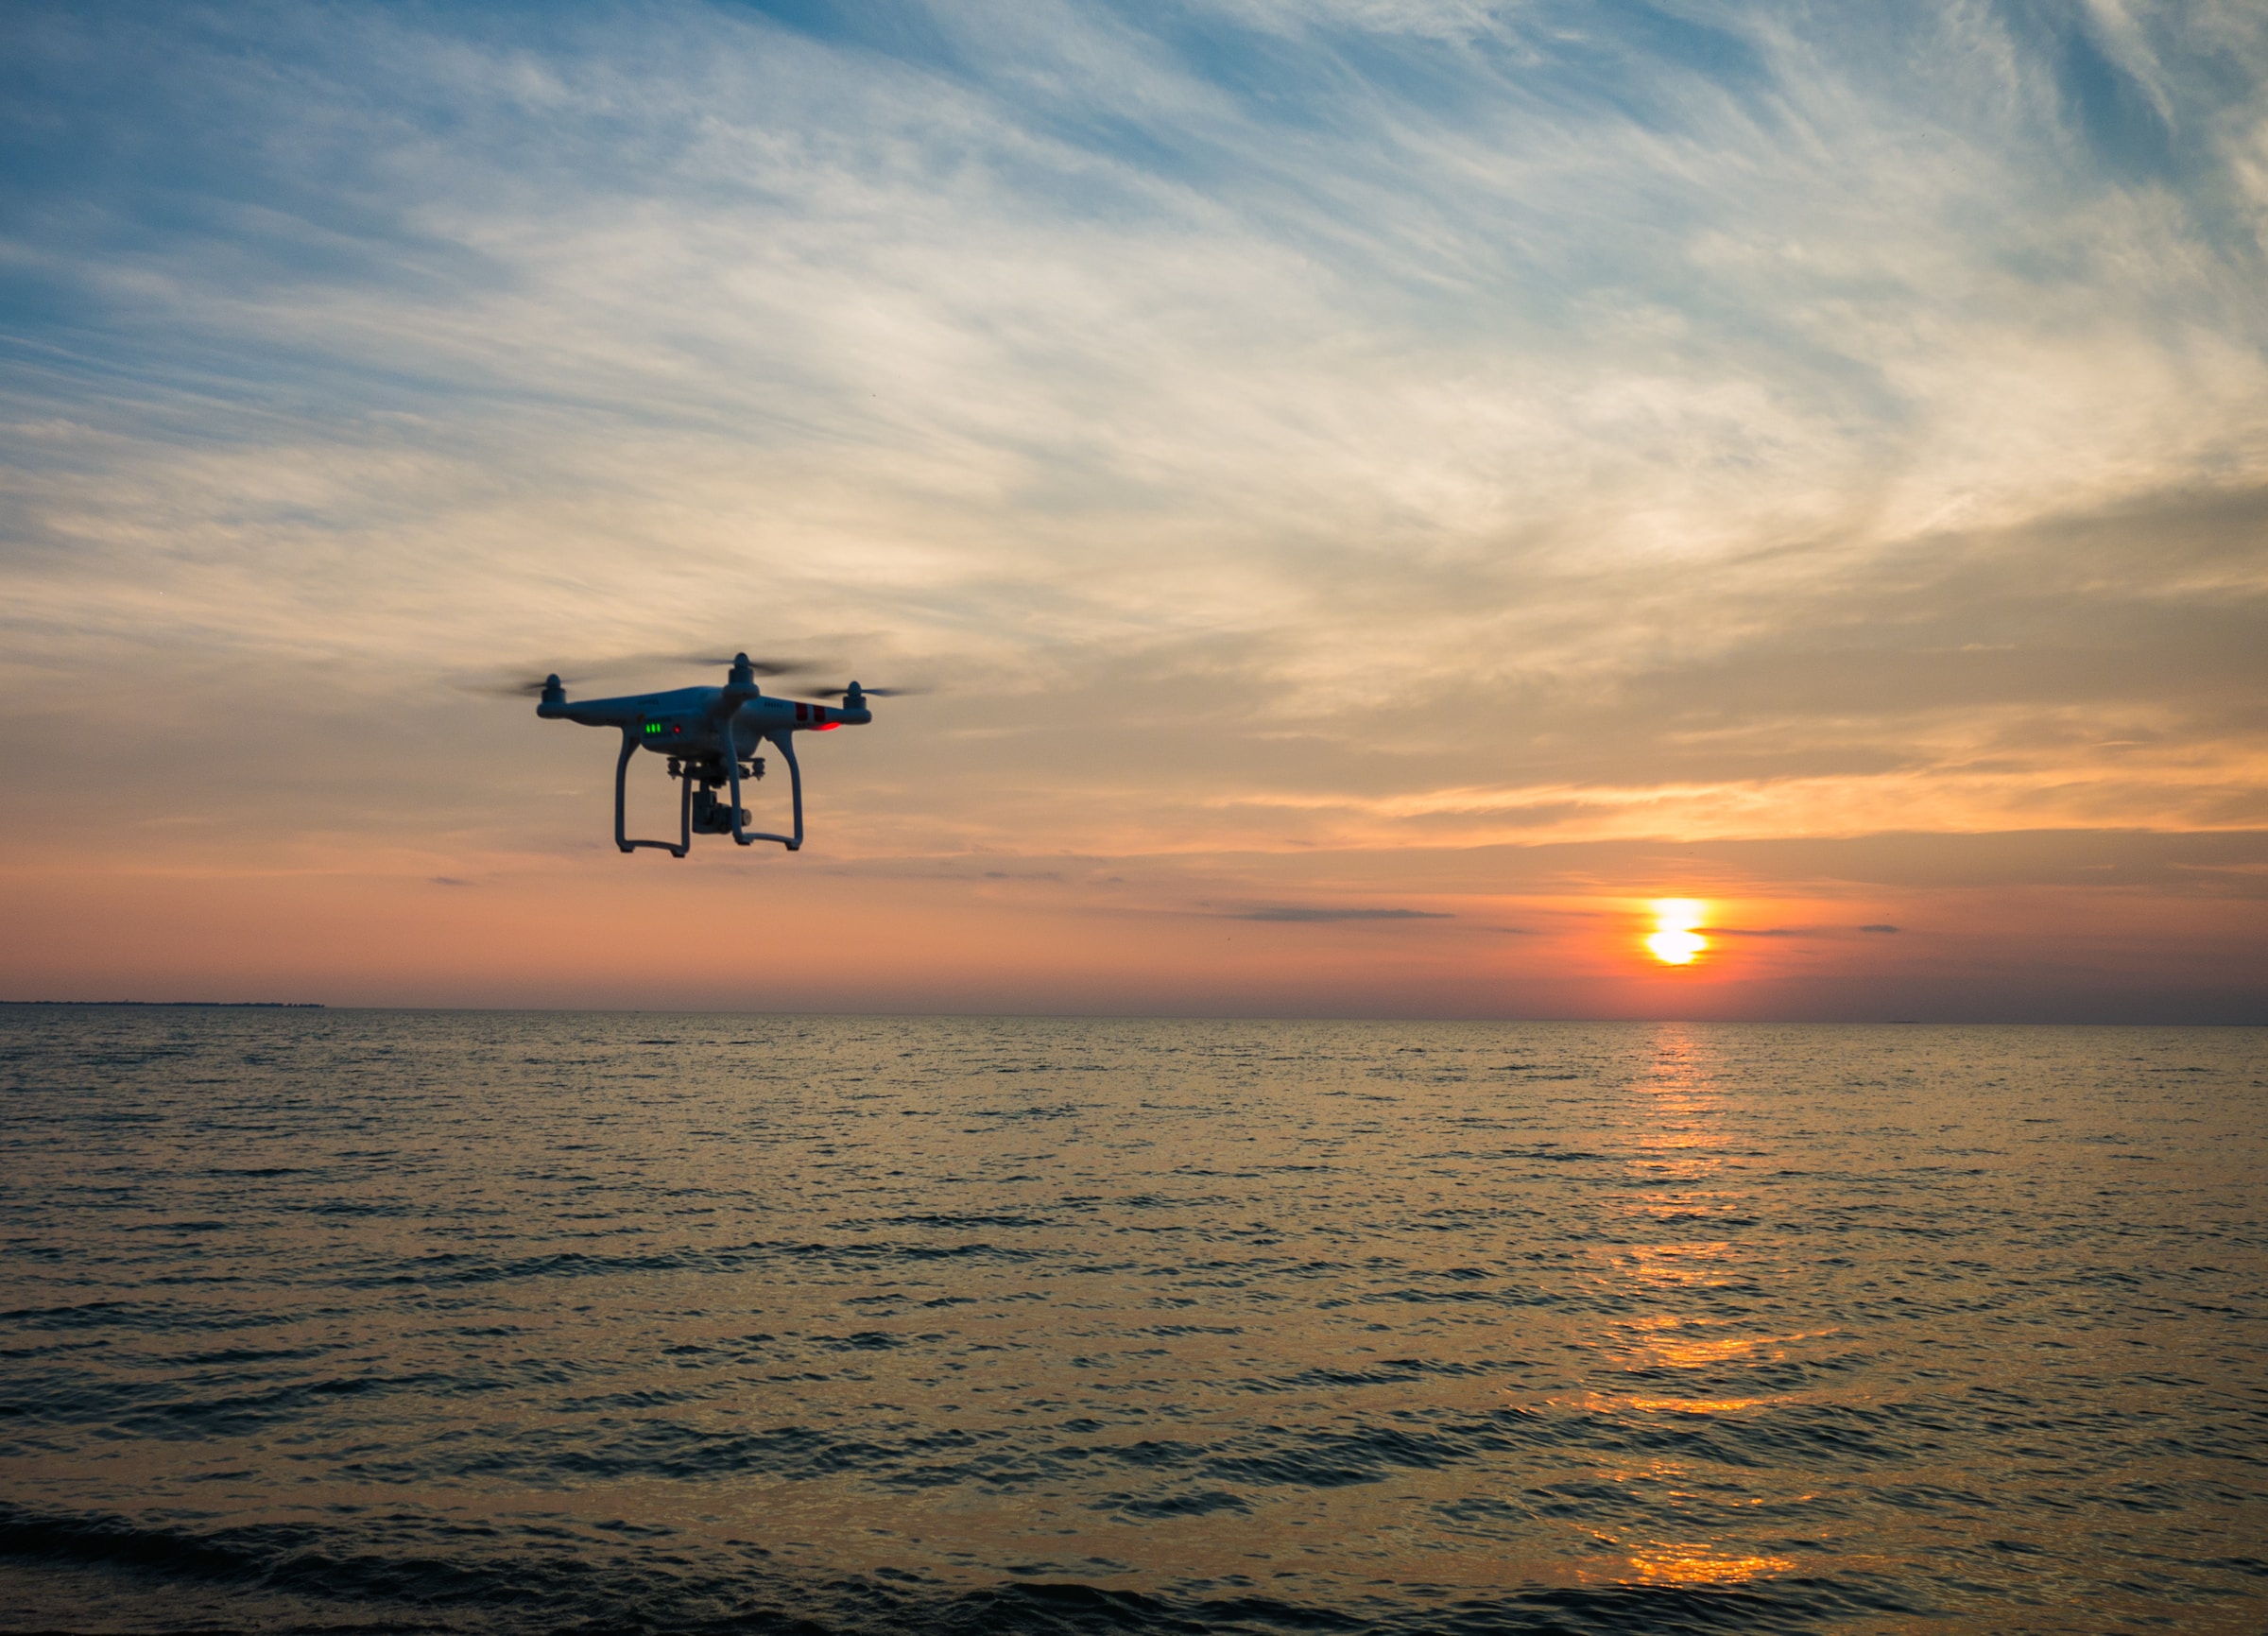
[(761, 666), (525, 686), (528, 689), (863, 692)]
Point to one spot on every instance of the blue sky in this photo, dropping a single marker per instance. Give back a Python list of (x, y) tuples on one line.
[(1304, 443)]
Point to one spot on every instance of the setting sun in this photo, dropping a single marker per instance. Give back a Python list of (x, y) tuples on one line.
[(1675, 942)]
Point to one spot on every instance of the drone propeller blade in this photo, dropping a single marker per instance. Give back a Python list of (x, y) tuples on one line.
[(532, 689), (761, 666), (587, 671), (870, 691)]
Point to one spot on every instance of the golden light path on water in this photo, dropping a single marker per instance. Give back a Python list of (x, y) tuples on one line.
[(1675, 941), (1675, 1169)]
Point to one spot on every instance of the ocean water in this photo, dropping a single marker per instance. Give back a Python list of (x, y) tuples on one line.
[(365, 1320)]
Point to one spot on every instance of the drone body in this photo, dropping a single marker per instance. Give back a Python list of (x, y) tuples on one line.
[(710, 735)]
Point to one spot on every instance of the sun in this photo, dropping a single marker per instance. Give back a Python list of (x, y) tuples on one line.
[(1675, 942)]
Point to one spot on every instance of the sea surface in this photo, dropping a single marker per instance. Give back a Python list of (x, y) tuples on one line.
[(371, 1320)]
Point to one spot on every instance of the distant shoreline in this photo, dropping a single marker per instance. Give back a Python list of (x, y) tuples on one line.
[(204, 1005)]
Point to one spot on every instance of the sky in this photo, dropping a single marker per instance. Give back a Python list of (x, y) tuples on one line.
[(1380, 494)]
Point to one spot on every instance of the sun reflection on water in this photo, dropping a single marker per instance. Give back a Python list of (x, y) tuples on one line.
[(1689, 1352), (1694, 1565)]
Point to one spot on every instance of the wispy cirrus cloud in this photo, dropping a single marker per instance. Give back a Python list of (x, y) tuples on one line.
[(1348, 426), (1294, 915)]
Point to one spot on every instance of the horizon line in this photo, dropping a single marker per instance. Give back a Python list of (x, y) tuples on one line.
[(1138, 1016)]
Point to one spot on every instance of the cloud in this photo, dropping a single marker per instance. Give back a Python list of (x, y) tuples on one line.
[(1325, 914), (1878, 928), (1371, 428)]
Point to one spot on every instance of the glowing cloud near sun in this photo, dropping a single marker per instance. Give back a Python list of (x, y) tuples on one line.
[(1675, 942)]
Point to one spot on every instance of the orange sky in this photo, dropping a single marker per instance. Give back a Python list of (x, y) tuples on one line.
[(1471, 933)]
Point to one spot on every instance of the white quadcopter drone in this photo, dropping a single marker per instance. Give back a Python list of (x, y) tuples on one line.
[(710, 735)]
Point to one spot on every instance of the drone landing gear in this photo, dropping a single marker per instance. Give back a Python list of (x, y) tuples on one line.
[(676, 849), (787, 744), (699, 810)]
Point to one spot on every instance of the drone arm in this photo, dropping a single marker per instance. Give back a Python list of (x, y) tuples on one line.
[(622, 767), (785, 739), (592, 711)]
